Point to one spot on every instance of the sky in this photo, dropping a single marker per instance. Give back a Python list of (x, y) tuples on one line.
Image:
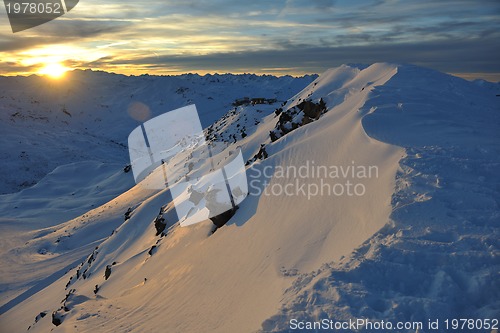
[(259, 36)]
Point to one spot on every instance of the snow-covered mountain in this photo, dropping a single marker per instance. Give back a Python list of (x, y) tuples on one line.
[(373, 194), (88, 115)]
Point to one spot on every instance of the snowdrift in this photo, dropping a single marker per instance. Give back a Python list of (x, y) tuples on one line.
[(419, 241)]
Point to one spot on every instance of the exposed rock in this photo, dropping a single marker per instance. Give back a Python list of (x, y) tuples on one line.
[(303, 113), (160, 224), (69, 282), (127, 213), (311, 109), (152, 250), (107, 272), (221, 219), (40, 316), (68, 295), (261, 154), (56, 318)]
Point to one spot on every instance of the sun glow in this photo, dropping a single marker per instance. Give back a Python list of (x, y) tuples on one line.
[(54, 70)]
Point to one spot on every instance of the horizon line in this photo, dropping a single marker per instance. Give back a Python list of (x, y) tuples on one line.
[(492, 77)]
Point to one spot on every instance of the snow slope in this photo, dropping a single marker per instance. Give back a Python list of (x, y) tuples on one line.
[(64, 144), (421, 242), (88, 115), (438, 256)]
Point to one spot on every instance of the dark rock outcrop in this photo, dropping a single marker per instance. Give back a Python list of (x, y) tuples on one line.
[(127, 213), (107, 272), (221, 219), (152, 250), (57, 318), (40, 316), (303, 113), (160, 224), (261, 155)]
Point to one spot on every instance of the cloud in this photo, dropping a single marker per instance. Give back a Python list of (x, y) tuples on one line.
[(10, 66), (451, 56), (80, 29), (60, 31), (292, 35), (14, 44)]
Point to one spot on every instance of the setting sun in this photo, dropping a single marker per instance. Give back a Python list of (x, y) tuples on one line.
[(54, 70)]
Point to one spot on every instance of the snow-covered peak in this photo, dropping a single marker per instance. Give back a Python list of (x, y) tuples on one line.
[(417, 225)]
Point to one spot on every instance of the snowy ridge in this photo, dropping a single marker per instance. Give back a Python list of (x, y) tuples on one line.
[(68, 139), (421, 243), (438, 256)]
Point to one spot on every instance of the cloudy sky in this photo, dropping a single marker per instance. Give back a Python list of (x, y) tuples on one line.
[(261, 36)]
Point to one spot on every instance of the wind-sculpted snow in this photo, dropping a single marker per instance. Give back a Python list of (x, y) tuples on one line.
[(419, 243), (437, 258)]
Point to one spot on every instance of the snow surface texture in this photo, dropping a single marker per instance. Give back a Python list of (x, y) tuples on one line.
[(438, 257), (69, 139), (421, 243)]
